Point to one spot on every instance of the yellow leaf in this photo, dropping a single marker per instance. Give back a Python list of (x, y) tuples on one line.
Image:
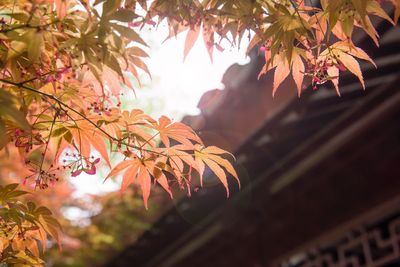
[(396, 16), (370, 30), (360, 6), (375, 8), (333, 72), (16, 49), (281, 72), (351, 49), (297, 71), (352, 65), (35, 43)]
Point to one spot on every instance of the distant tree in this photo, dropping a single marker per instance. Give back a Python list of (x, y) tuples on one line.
[(65, 62)]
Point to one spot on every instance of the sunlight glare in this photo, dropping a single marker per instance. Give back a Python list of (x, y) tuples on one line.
[(179, 85), (175, 89)]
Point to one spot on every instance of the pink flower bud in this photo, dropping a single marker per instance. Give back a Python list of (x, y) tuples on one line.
[(135, 24), (76, 173), (91, 171), (151, 22)]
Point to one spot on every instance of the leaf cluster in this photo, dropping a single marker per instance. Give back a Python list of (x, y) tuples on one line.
[(24, 228), (64, 65)]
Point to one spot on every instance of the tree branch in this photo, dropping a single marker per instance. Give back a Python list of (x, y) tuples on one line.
[(83, 116)]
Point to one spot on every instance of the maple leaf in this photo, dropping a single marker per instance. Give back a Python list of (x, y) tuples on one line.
[(344, 53), (145, 184), (297, 71), (86, 137), (135, 169), (120, 167), (129, 176), (208, 37), (396, 4), (191, 38), (157, 172), (374, 7), (84, 60), (176, 131), (253, 42), (281, 72), (210, 156), (333, 73), (142, 171), (134, 123), (61, 8), (352, 65), (136, 117), (351, 49), (177, 157)]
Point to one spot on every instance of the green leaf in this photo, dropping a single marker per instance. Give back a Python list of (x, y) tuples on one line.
[(347, 25), (128, 33), (16, 49), (14, 115), (43, 211), (123, 15), (113, 63), (110, 6), (20, 16), (35, 45), (14, 194), (59, 132), (10, 187), (31, 206)]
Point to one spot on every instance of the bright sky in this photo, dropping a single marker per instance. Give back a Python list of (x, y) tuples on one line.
[(176, 86)]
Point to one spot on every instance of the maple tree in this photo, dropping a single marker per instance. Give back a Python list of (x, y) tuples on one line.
[(64, 64)]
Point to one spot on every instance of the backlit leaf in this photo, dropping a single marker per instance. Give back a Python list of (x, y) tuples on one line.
[(298, 71), (281, 72), (145, 184), (191, 38), (352, 65)]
